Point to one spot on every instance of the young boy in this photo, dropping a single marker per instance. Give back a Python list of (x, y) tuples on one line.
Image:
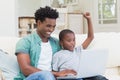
[(69, 55)]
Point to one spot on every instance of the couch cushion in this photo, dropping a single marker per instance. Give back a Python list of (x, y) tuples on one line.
[(8, 65)]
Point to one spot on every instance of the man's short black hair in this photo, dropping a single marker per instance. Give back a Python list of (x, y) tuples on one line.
[(46, 12), (63, 33)]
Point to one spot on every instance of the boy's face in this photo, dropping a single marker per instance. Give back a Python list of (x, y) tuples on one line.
[(68, 42), (46, 27)]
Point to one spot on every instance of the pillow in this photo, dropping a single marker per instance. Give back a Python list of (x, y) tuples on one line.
[(8, 65)]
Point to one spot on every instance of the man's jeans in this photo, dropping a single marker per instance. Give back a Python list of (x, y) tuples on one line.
[(41, 75), (46, 75), (98, 77)]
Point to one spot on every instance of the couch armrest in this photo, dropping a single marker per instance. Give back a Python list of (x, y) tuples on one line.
[(119, 70), (1, 76)]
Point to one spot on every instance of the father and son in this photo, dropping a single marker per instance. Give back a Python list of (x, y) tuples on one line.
[(40, 56)]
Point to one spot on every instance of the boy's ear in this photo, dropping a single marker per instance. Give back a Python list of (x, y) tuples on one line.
[(61, 43)]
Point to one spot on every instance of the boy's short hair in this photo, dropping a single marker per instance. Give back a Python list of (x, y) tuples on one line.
[(46, 12), (63, 33)]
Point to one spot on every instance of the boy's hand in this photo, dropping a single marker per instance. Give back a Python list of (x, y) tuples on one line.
[(87, 15)]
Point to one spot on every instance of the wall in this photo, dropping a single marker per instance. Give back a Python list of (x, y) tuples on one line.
[(87, 6), (28, 7), (7, 18)]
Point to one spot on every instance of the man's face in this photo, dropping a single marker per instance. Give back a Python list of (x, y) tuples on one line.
[(46, 27), (68, 43)]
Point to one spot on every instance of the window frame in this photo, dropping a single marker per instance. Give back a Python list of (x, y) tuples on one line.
[(96, 17)]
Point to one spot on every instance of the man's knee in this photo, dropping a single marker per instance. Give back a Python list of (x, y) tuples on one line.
[(100, 77), (46, 75), (41, 75)]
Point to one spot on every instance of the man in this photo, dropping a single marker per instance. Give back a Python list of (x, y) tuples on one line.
[(34, 52)]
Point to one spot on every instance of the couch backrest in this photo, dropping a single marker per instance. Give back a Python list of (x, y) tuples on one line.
[(110, 41)]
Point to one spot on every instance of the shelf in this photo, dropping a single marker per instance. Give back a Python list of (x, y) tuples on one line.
[(26, 26)]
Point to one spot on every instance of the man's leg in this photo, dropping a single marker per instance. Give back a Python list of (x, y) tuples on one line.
[(71, 79), (99, 77), (41, 75)]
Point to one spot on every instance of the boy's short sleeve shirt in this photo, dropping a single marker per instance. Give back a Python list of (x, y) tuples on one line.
[(65, 59)]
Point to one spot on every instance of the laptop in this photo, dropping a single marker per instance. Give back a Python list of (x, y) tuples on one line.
[(92, 63)]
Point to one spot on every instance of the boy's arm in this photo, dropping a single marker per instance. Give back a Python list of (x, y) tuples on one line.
[(90, 35)]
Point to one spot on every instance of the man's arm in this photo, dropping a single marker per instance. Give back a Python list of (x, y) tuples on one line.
[(25, 64), (27, 69), (90, 35)]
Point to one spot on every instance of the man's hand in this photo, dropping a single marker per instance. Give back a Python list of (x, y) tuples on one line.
[(64, 73)]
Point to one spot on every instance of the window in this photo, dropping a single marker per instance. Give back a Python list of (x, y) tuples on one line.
[(107, 11), (106, 15)]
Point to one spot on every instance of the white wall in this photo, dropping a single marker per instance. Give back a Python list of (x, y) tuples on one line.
[(27, 7), (7, 18)]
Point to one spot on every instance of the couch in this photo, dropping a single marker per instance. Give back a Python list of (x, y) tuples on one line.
[(107, 40)]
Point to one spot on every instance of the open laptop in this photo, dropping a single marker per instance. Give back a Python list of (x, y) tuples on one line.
[(92, 63)]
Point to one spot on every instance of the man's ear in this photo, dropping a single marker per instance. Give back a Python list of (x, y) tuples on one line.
[(38, 22)]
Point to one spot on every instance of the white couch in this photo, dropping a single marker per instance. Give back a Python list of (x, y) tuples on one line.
[(110, 41)]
